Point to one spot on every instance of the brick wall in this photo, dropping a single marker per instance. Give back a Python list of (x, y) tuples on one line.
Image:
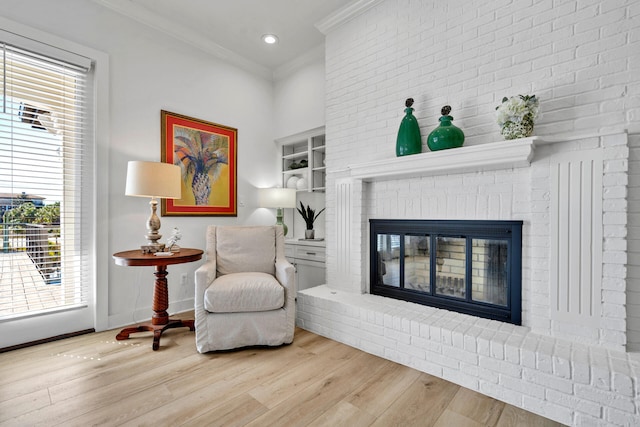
[(581, 58)]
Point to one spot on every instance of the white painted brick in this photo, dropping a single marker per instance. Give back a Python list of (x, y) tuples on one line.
[(512, 349), (622, 381), (607, 399), (500, 393), (574, 403), (600, 371), (620, 418), (461, 355), (550, 410), (588, 421), (549, 381), (460, 378), (500, 366), (544, 353), (528, 352), (522, 386), (561, 367), (484, 342)]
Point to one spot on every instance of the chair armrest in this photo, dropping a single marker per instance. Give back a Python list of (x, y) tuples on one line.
[(285, 273), (205, 274)]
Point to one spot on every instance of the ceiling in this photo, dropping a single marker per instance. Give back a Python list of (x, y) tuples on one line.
[(233, 28)]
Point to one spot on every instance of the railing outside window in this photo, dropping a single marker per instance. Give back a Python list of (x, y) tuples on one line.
[(40, 241)]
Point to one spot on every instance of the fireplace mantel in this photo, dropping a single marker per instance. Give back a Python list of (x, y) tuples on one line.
[(475, 158)]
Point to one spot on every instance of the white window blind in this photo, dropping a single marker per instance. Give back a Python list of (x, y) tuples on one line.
[(45, 167)]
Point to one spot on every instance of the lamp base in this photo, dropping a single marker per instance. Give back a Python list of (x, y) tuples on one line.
[(152, 248), (280, 221)]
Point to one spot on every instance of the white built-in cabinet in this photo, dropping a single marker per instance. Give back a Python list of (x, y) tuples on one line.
[(303, 157), (308, 258)]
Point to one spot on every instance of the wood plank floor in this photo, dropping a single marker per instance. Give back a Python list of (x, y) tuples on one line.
[(96, 380)]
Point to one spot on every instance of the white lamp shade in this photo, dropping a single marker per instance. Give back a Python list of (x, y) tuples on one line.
[(277, 198), (153, 179)]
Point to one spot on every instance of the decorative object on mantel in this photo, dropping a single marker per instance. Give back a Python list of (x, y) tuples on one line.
[(309, 215), (172, 245), (409, 140), (446, 135), (516, 116)]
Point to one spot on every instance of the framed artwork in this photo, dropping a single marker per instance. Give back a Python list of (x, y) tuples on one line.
[(207, 155)]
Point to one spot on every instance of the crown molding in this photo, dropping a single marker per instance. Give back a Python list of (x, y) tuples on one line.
[(314, 55), (345, 14), (184, 34)]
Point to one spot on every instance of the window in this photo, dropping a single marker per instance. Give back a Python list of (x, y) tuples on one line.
[(46, 150)]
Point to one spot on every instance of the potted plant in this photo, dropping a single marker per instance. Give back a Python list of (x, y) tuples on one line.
[(309, 215)]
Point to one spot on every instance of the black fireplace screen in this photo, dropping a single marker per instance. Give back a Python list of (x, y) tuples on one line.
[(472, 267)]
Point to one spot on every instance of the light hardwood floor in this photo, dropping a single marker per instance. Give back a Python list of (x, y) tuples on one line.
[(96, 380)]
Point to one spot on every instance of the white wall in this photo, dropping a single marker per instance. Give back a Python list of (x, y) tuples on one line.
[(582, 59), (299, 99), (150, 72)]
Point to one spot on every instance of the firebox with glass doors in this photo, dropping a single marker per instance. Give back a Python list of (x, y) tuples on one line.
[(471, 267)]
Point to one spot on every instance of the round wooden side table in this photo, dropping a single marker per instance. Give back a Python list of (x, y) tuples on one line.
[(160, 320)]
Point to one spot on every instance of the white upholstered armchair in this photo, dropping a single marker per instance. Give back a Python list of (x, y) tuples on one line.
[(245, 291)]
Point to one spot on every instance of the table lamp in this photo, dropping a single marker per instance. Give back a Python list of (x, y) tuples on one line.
[(278, 198), (155, 180)]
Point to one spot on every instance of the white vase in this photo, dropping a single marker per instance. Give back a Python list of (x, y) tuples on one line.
[(301, 184), (309, 234), (292, 181)]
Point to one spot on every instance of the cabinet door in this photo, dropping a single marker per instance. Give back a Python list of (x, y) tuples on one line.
[(309, 274)]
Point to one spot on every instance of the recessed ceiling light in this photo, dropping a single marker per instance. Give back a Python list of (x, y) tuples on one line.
[(270, 39)]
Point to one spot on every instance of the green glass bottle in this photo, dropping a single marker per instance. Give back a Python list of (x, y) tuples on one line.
[(446, 135), (409, 140)]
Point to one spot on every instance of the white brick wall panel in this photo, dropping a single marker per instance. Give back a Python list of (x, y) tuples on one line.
[(621, 418), (543, 356), (623, 384), (550, 410), (500, 366), (460, 378), (584, 420), (547, 380), (522, 386), (572, 402), (561, 367), (547, 123), (614, 297), (427, 366), (460, 355), (409, 350), (605, 398)]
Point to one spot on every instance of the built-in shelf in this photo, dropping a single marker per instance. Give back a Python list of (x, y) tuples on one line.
[(475, 158), (309, 147)]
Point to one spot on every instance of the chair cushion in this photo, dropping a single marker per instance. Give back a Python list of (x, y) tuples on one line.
[(242, 292), (241, 249)]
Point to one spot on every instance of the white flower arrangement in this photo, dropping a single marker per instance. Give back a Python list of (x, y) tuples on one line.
[(516, 115), (516, 108)]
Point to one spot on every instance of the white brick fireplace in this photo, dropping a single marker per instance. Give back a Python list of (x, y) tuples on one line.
[(567, 361), (581, 305)]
